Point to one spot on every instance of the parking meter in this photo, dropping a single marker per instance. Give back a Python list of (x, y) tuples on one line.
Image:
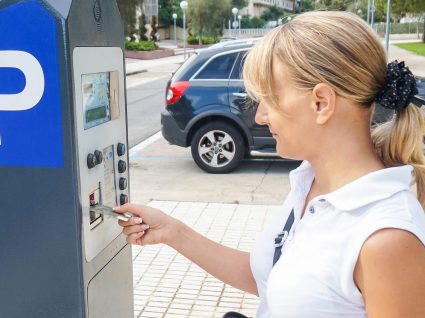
[(63, 149)]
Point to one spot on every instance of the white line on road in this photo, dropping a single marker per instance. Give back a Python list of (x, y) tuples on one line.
[(145, 143)]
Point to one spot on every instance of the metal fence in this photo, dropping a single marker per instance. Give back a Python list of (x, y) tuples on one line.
[(400, 28), (396, 28), (245, 33)]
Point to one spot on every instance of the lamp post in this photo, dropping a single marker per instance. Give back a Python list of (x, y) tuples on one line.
[(239, 19), (175, 31), (388, 25), (235, 12), (183, 5), (368, 11)]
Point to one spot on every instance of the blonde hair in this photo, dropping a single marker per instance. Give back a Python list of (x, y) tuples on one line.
[(341, 50)]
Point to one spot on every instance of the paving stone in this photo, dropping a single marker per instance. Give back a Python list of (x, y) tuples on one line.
[(169, 285)]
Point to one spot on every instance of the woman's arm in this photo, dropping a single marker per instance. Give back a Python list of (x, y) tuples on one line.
[(390, 273), (227, 264), (152, 226)]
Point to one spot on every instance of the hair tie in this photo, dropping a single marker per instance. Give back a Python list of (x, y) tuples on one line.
[(400, 87)]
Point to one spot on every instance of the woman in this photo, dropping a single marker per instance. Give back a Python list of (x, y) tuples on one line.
[(354, 245)]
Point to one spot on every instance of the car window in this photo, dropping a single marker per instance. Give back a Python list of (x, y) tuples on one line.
[(237, 70), (185, 66), (218, 68)]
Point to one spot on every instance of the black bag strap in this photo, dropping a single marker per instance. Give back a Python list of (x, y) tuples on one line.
[(282, 236)]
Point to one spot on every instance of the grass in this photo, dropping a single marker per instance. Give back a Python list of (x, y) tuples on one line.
[(416, 47)]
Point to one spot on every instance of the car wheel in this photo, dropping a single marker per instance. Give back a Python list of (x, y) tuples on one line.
[(217, 147)]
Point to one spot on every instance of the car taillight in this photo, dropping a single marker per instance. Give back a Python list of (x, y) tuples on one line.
[(175, 91)]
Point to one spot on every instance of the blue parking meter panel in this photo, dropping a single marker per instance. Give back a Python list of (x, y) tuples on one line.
[(30, 102)]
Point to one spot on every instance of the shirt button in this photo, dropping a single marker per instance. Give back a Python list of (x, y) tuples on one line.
[(311, 209)]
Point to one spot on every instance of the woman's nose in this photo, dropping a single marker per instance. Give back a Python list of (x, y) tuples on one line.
[(261, 116)]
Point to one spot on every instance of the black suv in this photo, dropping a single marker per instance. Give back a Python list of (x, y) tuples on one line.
[(208, 110)]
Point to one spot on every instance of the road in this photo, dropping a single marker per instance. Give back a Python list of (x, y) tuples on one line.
[(161, 171), (144, 105)]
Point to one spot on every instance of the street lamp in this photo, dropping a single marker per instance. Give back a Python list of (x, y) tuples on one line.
[(235, 12), (239, 19), (175, 32), (183, 5)]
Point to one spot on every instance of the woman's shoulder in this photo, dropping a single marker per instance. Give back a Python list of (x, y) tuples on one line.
[(400, 211)]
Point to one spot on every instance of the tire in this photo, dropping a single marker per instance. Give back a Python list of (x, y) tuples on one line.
[(221, 157)]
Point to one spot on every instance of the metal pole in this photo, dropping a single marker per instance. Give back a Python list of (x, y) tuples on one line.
[(368, 11), (184, 34), (234, 26), (230, 30), (372, 19), (387, 28), (175, 31)]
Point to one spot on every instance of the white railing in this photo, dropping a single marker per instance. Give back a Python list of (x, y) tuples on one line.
[(245, 33)]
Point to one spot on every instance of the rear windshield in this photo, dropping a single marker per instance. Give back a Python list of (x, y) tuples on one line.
[(185, 67)]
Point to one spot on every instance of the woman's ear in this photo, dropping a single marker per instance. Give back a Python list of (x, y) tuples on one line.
[(323, 98)]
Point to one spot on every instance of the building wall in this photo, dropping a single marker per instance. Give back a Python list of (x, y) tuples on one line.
[(256, 7)]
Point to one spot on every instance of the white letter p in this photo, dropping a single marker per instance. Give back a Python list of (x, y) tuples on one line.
[(34, 88)]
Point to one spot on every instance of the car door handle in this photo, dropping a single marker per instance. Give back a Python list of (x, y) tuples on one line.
[(241, 95)]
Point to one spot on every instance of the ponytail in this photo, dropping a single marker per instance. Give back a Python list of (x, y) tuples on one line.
[(400, 141)]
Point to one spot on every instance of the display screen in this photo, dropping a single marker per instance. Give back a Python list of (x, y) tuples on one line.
[(96, 99)]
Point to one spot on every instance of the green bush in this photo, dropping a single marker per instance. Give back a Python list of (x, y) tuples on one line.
[(140, 46), (207, 40), (194, 40)]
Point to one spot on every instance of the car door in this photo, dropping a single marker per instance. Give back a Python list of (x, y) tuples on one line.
[(245, 108)]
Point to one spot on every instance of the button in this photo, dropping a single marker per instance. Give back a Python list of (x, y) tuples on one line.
[(99, 156), (91, 161), (122, 166), (123, 183), (121, 149), (123, 199), (311, 209)]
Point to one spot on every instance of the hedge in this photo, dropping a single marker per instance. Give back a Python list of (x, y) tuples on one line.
[(140, 46)]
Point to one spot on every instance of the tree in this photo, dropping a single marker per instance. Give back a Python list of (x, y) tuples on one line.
[(341, 5), (127, 10), (240, 4), (272, 13), (142, 28), (307, 5), (206, 16), (166, 8), (252, 23), (416, 7)]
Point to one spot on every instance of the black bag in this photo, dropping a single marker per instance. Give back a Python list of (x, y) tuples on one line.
[(232, 314)]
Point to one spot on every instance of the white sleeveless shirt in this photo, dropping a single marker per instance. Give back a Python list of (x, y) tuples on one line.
[(314, 275)]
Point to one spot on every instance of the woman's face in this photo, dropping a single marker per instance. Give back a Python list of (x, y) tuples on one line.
[(293, 123)]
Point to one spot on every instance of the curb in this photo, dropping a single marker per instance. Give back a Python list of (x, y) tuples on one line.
[(135, 72)]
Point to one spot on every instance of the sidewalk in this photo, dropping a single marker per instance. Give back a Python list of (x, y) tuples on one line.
[(134, 66), (415, 62), (167, 285)]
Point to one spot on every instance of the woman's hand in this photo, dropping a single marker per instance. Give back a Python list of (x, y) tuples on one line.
[(148, 225)]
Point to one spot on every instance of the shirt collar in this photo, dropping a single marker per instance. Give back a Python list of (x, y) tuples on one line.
[(367, 189)]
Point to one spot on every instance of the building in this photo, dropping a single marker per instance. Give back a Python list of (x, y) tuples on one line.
[(149, 8), (256, 7)]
